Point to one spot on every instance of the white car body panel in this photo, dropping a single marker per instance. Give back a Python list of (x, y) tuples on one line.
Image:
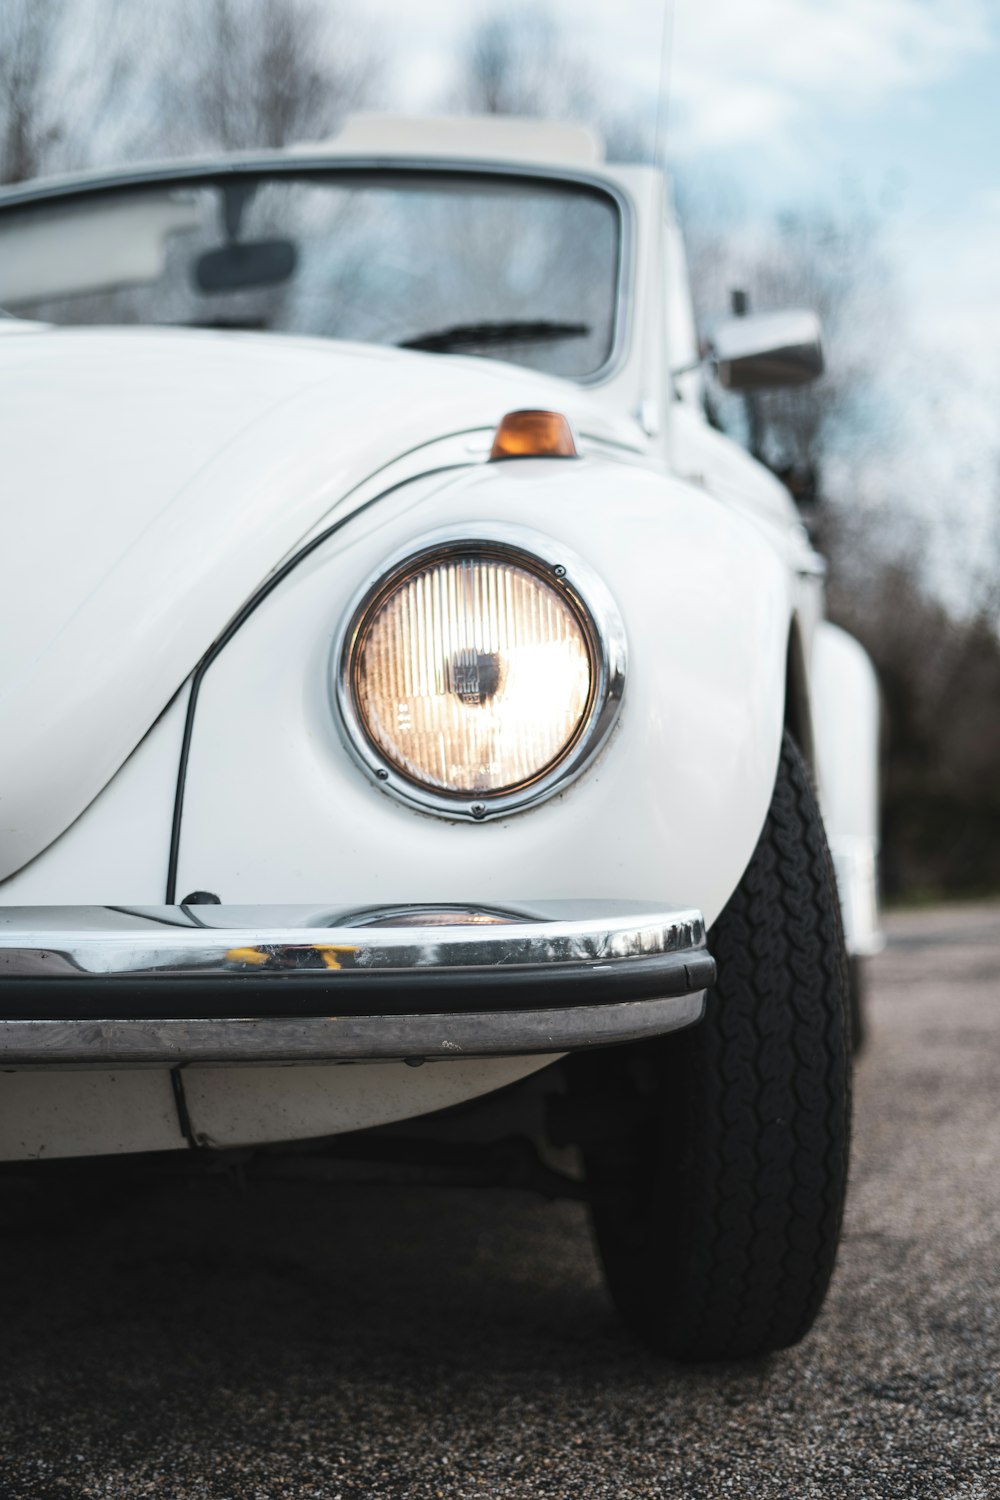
[(623, 824), (98, 1111), (46, 1114), (248, 1106), (121, 842), (215, 455), (180, 469), (707, 703)]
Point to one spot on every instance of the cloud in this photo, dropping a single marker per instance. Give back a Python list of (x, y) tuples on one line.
[(745, 72), (741, 70), (953, 284)]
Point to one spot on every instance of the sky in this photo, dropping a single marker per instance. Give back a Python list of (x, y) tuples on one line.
[(899, 99), (802, 100)]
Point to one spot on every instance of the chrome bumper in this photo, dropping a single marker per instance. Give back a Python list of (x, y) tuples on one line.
[(176, 984)]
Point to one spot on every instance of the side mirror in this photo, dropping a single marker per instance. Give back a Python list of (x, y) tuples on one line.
[(764, 351)]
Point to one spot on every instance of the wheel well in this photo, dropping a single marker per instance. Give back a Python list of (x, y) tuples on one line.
[(798, 716)]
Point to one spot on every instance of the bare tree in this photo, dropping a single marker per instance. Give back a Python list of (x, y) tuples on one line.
[(72, 85), (251, 73), (939, 675), (30, 125), (106, 80), (516, 60)]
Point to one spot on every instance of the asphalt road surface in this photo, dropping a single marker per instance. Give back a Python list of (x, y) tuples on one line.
[(187, 1339)]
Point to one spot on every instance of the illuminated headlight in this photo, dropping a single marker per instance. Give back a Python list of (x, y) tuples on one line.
[(476, 676)]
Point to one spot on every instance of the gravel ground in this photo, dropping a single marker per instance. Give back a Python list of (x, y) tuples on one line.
[(191, 1340)]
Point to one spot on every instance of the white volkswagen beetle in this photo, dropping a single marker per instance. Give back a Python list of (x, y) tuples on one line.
[(398, 669)]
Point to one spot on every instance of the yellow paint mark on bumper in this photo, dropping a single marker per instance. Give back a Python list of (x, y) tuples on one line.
[(331, 953), (246, 956)]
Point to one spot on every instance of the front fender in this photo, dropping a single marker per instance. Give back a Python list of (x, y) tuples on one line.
[(276, 809), (846, 712)]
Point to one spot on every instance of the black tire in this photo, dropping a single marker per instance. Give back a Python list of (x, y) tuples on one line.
[(718, 1209)]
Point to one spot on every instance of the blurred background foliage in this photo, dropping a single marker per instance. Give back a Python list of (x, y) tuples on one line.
[(84, 82)]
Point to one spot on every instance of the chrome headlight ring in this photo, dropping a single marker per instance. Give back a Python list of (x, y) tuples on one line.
[(579, 590)]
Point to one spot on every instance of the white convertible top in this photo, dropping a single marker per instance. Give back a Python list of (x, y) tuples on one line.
[(451, 138), (482, 137)]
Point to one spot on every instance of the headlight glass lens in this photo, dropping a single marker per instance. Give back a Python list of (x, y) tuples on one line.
[(473, 673)]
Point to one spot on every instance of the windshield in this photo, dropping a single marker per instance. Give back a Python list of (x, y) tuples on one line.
[(519, 269)]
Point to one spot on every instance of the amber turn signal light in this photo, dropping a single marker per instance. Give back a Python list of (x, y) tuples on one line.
[(534, 434)]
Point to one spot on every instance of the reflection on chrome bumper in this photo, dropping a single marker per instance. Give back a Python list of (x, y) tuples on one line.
[(215, 983)]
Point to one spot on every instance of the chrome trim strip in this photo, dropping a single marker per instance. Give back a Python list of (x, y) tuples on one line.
[(169, 942), (136, 956), (590, 597), (342, 1039)]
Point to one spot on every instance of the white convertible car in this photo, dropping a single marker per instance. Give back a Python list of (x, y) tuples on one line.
[(398, 676)]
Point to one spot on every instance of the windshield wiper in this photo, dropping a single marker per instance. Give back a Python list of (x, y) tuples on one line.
[(469, 335)]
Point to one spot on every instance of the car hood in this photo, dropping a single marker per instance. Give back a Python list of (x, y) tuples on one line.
[(151, 479)]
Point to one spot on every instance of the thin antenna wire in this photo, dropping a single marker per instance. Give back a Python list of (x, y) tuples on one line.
[(663, 86)]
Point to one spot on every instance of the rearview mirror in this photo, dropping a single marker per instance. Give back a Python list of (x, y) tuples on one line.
[(767, 350), (239, 266)]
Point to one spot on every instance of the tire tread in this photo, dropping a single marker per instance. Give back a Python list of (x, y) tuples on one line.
[(752, 1162)]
